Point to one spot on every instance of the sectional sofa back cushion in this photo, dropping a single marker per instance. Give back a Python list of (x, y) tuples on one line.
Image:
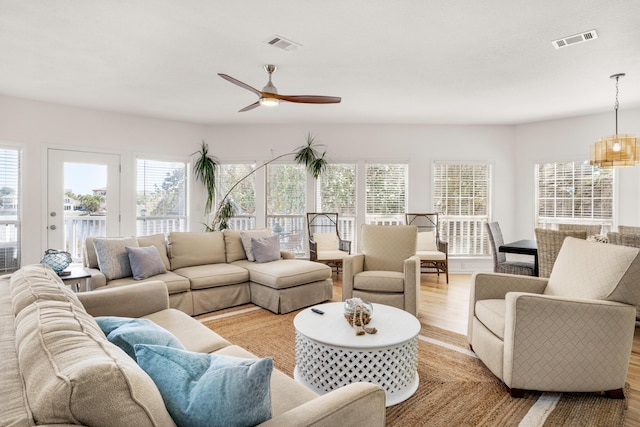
[(113, 258), (196, 248), (38, 282), (73, 375), (233, 242)]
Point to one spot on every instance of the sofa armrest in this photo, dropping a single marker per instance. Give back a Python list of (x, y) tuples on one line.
[(135, 300), (351, 265), (353, 405), (412, 284), (587, 336), (496, 286), (96, 280)]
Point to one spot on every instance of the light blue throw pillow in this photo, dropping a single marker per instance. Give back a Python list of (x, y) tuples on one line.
[(125, 332), (209, 390)]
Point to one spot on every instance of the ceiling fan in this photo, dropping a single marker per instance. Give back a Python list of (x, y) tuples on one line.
[(269, 95)]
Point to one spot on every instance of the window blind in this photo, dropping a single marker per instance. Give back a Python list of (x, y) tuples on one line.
[(386, 193), (574, 191), (336, 192), (462, 196), (161, 196)]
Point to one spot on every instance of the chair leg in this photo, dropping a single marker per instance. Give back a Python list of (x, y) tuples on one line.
[(517, 393), (615, 394)]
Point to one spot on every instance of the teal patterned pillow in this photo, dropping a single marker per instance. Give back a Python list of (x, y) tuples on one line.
[(209, 390)]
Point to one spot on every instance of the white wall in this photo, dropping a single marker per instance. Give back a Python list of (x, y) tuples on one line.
[(569, 140), (513, 150)]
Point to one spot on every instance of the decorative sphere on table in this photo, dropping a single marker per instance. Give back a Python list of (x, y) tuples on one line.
[(57, 260)]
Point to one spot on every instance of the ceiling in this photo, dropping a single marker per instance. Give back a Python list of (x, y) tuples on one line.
[(410, 61)]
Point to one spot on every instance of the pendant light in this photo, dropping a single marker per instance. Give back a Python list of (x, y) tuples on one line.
[(617, 149)]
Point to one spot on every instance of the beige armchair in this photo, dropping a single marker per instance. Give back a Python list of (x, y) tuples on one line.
[(386, 271), (571, 332)]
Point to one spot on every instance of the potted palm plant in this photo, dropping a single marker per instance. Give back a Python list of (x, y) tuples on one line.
[(205, 167)]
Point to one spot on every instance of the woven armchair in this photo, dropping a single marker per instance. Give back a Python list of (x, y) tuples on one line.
[(433, 252), (549, 244), (500, 263), (628, 229), (325, 244), (632, 240), (592, 230)]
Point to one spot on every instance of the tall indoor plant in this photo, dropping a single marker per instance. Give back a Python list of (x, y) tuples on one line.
[(205, 167)]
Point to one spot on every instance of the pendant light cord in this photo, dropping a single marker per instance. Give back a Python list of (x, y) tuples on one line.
[(617, 104)]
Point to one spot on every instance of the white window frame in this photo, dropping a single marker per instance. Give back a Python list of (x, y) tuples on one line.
[(147, 224), (373, 214), (10, 225), (464, 231), (346, 217)]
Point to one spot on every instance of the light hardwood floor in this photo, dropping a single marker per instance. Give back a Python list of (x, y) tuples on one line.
[(447, 305)]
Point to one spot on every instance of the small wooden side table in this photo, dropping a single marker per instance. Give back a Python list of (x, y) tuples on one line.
[(76, 279)]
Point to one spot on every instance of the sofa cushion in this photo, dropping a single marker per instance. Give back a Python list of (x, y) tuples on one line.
[(585, 269), (326, 241), (175, 283), (113, 260), (38, 282), (145, 262), (196, 248), (426, 241), (208, 389), (233, 243), (285, 273), (125, 332), (266, 249), (247, 236), (159, 241), (213, 275), (73, 375)]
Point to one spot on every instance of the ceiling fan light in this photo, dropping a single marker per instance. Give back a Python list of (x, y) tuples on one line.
[(269, 102)]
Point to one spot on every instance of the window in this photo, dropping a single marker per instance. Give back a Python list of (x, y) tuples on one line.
[(574, 192), (386, 193), (461, 195), (161, 204), (242, 197), (9, 210), (336, 192), (286, 205)]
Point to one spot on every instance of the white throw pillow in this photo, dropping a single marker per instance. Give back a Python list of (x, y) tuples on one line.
[(427, 241), (245, 237), (326, 241)]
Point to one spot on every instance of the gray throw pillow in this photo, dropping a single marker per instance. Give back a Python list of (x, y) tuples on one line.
[(248, 235), (113, 260), (266, 249), (145, 261)]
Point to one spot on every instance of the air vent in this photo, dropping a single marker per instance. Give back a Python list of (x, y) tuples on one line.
[(284, 44), (574, 39)]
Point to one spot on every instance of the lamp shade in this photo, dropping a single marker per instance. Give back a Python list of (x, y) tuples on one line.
[(615, 150)]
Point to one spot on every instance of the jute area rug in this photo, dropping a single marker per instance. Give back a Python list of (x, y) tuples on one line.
[(455, 389)]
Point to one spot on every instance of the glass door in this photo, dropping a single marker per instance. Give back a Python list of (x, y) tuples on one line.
[(83, 198)]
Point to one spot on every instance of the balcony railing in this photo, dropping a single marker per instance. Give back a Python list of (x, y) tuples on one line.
[(466, 235)]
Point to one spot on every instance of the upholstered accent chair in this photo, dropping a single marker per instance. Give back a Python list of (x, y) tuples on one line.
[(549, 243), (386, 270), (325, 244), (500, 263), (571, 332), (433, 252)]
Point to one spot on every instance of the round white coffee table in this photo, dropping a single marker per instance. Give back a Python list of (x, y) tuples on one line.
[(329, 355)]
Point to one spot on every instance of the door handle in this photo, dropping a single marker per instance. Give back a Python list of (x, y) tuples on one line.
[(52, 227)]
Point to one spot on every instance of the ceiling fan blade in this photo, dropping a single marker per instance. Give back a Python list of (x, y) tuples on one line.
[(309, 99), (241, 84), (250, 107)]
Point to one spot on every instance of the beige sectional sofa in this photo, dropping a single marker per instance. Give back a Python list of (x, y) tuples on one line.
[(58, 368), (209, 271)]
